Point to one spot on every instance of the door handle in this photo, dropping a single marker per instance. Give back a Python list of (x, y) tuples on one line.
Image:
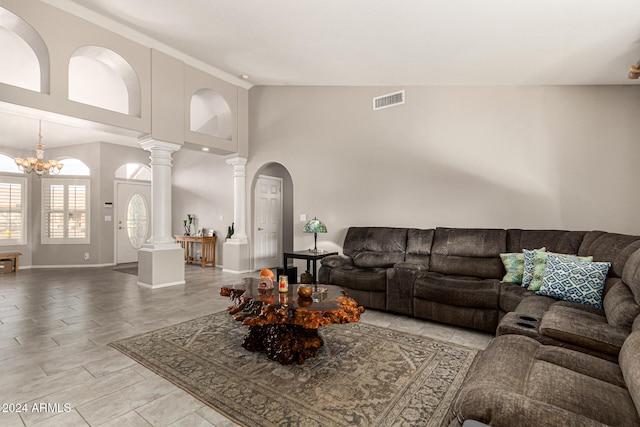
[(260, 228)]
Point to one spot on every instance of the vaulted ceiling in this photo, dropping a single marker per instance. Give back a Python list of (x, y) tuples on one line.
[(391, 42), (369, 42)]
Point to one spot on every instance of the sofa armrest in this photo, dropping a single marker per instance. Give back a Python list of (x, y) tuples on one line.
[(583, 331), (334, 261)]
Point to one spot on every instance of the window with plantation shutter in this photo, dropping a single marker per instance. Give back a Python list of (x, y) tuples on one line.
[(65, 211), (13, 211)]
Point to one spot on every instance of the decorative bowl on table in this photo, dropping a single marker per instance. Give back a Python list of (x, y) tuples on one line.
[(305, 291)]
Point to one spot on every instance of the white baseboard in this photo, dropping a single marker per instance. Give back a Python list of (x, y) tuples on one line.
[(225, 270), (69, 266)]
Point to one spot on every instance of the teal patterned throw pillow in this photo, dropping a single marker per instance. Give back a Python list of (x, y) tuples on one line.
[(514, 264), (574, 281), (540, 266), (529, 256)]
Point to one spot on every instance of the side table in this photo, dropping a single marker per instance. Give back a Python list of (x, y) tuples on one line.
[(207, 251), (311, 256)]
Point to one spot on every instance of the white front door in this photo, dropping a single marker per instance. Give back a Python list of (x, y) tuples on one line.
[(268, 222), (133, 219)]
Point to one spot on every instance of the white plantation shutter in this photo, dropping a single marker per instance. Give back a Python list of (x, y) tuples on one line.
[(65, 216), (13, 211)]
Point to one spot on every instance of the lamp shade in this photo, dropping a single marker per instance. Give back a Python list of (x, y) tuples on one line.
[(314, 226)]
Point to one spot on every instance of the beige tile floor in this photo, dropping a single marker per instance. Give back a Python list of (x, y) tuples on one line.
[(55, 325)]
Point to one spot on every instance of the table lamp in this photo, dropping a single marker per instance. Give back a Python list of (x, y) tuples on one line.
[(315, 226)]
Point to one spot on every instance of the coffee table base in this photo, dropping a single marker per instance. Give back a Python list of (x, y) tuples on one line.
[(285, 344)]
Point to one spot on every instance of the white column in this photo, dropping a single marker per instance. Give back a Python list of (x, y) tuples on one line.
[(239, 197), (160, 190), (161, 259), (236, 249)]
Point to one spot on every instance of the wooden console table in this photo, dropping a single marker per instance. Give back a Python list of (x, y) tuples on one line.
[(207, 245), (12, 256)]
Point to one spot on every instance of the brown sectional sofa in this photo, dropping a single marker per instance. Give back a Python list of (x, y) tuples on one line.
[(520, 382), (454, 275)]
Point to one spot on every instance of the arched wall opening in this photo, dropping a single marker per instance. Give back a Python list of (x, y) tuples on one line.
[(100, 77), (279, 171), (210, 114), (24, 53)]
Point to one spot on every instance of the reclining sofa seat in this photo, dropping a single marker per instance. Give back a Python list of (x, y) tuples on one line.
[(368, 253), (516, 382)]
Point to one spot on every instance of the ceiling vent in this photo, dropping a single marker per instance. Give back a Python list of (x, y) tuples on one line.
[(388, 100)]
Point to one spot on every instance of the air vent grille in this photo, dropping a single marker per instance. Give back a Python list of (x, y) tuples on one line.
[(388, 100)]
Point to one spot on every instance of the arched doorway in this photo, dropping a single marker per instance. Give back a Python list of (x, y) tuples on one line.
[(285, 229)]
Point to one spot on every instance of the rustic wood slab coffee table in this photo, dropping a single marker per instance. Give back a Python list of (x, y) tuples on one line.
[(285, 325)]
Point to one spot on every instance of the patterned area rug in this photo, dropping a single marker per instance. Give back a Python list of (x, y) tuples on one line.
[(363, 376)]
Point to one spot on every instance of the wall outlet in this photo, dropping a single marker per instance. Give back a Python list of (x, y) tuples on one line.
[(86, 256), (303, 218)]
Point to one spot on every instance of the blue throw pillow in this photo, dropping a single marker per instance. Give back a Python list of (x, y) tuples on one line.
[(529, 257), (574, 281)]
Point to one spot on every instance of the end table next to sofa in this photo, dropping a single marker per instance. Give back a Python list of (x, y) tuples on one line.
[(311, 256)]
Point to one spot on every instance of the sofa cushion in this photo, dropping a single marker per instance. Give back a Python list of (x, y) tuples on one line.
[(468, 252), (630, 366), (586, 364), (514, 266), (561, 241), (334, 261), (457, 290), (419, 244), (575, 281), (609, 247), (619, 305), (511, 296), (375, 246), (366, 279)]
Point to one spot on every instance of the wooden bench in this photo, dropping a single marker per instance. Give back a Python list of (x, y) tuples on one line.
[(13, 256)]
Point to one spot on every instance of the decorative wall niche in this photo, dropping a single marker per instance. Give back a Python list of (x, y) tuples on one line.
[(25, 57), (210, 114), (104, 79)]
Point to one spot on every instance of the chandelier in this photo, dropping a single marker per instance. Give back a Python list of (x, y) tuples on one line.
[(38, 164)]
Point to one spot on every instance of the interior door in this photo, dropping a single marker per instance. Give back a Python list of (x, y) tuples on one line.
[(268, 222), (133, 220)]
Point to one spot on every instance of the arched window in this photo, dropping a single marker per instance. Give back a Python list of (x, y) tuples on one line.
[(7, 164), (210, 114), (102, 78), (136, 171), (25, 58), (74, 167)]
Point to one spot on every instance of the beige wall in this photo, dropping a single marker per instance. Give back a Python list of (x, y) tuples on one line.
[(167, 85), (103, 160), (202, 184), (530, 157)]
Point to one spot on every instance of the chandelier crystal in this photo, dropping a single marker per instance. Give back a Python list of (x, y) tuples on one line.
[(38, 164)]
